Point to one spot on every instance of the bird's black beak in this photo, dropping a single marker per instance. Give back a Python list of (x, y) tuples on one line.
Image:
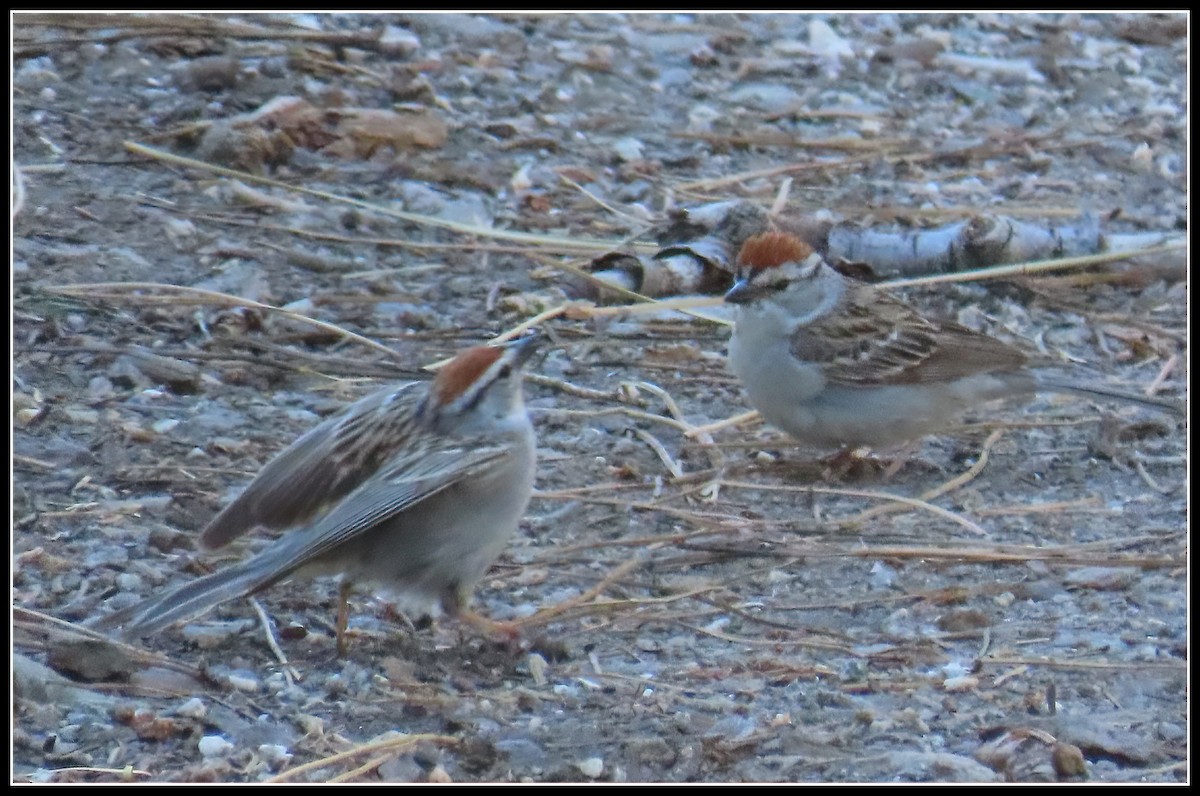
[(740, 293), (525, 346)]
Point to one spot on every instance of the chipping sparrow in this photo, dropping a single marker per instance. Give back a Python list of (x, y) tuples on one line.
[(837, 362), (417, 488)]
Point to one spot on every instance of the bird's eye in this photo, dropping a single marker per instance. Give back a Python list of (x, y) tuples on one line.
[(505, 372)]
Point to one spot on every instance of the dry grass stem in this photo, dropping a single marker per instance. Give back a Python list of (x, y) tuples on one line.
[(577, 242), (264, 622), (179, 295), (393, 745), (1058, 663), (949, 486), (1029, 269), (913, 502), (673, 466), (546, 615), (720, 425)]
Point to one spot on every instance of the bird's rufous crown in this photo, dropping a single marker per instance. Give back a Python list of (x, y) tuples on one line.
[(462, 371), (771, 249)]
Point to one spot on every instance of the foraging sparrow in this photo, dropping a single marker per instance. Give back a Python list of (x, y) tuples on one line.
[(417, 488), (838, 362)]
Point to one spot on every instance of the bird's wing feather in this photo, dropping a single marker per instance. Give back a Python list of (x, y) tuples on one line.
[(874, 339), (318, 469), (397, 487)]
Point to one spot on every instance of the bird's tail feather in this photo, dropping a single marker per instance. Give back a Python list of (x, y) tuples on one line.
[(1169, 405), (193, 599)]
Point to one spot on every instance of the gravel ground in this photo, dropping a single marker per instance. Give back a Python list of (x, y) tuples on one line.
[(743, 618)]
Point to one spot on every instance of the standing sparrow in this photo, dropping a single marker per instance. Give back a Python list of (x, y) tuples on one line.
[(416, 488), (836, 362)]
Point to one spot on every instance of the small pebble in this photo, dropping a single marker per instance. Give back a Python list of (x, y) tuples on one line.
[(964, 683), (591, 768), (194, 708), (274, 755), (244, 681), (537, 668), (310, 724), (214, 746), (628, 149)]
